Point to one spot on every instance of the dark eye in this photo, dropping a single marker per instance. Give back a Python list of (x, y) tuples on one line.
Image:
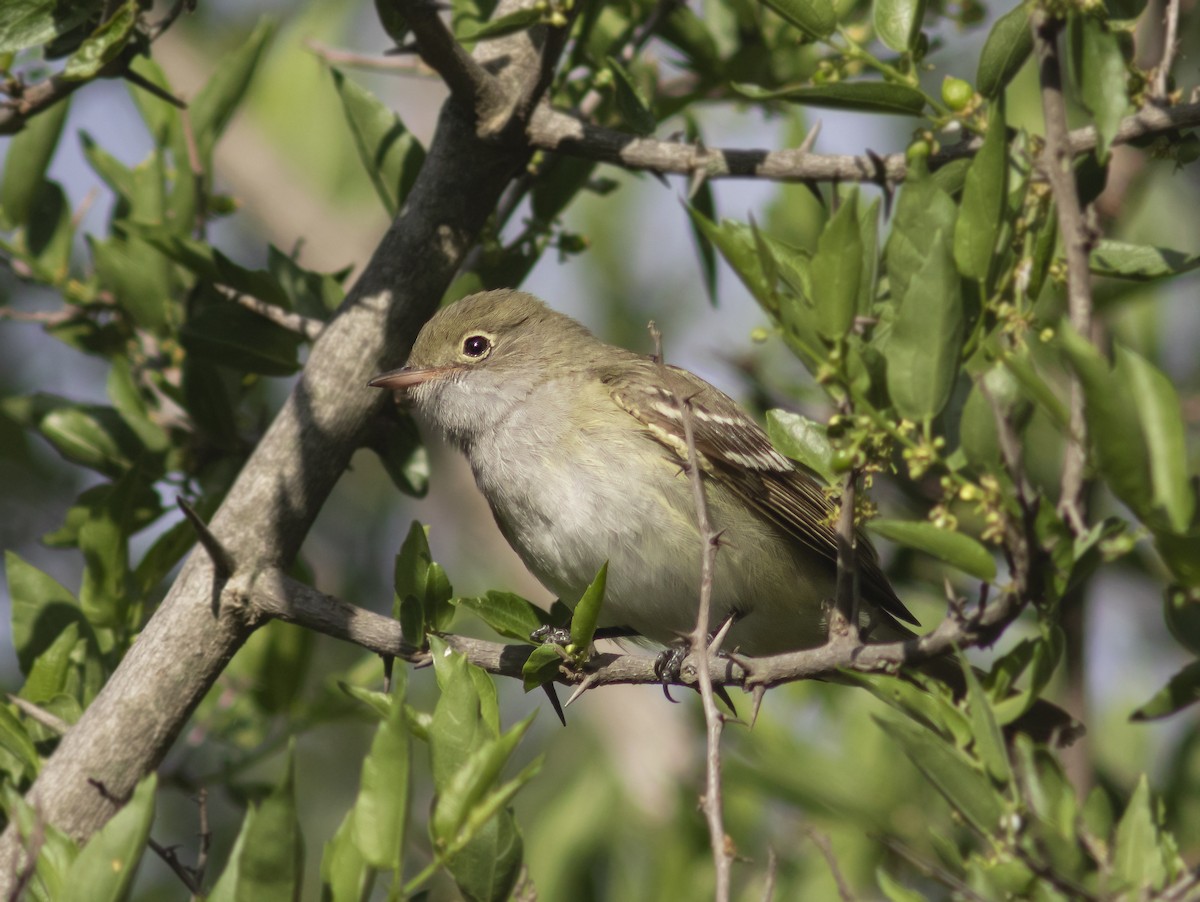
[(476, 345)]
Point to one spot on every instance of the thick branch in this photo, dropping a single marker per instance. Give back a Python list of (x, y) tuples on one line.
[(128, 728), (555, 130)]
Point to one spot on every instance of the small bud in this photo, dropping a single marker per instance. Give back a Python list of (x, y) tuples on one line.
[(956, 93)]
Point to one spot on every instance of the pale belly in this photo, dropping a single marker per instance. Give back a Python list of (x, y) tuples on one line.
[(565, 521)]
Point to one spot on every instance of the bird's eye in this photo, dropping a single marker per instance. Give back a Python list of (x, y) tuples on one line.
[(476, 346)]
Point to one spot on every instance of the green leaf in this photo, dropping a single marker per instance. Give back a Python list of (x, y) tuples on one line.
[(15, 740), (458, 725), (1122, 424), (894, 890), (211, 265), (314, 294), (390, 154), (803, 440), (985, 730), (631, 102), (103, 45), (857, 96), (1181, 610), (379, 703), (1161, 418), (105, 868), (225, 333), (214, 106), (49, 233), (898, 22), (1139, 262), (982, 212), (270, 863), (977, 428), (836, 271), (470, 782), (1182, 690), (48, 676), (541, 666), (705, 203), (27, 23), (381, 808), (345, 874), (868, 221), (1137, 857), (587, 611), (1005, 51), (134, 271), (1100, 75), (931, 705), (925, 344), (488, 867), (131, 403), (1041, 657), (90, 435), (403, 455), (736, 243), (28, 155), (923, 210), (954, 548), (41, 609), (963, 786), (518, 20), (816, 18), (508, 614)]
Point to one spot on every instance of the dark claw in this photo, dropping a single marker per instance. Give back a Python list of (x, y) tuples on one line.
[(551, 635), (668, 667)]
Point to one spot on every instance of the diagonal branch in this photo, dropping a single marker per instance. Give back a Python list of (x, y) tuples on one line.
[(128, 728)]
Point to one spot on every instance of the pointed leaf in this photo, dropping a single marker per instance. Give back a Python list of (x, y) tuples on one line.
[(508, 614), (898, 22), (1100, 75), (587, 611), (214, 106), (803, 440), (28, 156), (857, 96), (381, 808), (390, 154), (816, 18), (105, 868), (1138, 262), (954, 548), (271, 860), (837, 270), (103, 45), (1005, 51), (983, 201), (1182, 690)]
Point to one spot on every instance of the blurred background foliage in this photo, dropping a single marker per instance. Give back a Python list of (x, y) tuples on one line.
[(129, 378)]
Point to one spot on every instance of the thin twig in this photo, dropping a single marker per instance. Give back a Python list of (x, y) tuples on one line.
[(205, 841), (821, 841), (40, 715), (185, 874), (29, 849), (1077, 241), (196, 165), (940, 874), (557, 130), (306, 326), (713, 720), (391, 64), (847, 569), (768, 893), (1162, 74)]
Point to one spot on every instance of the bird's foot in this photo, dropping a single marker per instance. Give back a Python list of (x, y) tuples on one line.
[(551, 635)]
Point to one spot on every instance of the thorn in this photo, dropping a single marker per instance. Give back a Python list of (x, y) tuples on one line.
[(718, 541), (402, 49), (223, 561), (584, 686), (696, 181), (151, 88), (548, 688), (388, 661), (757, 696), (811, 138), (723, 694)]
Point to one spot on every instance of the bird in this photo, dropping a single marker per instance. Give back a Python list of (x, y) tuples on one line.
[(579, 448)]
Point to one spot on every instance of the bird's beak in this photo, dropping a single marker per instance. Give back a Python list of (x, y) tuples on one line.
[(408, 376)]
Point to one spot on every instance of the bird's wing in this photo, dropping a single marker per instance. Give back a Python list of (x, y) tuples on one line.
[(731, 443)]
